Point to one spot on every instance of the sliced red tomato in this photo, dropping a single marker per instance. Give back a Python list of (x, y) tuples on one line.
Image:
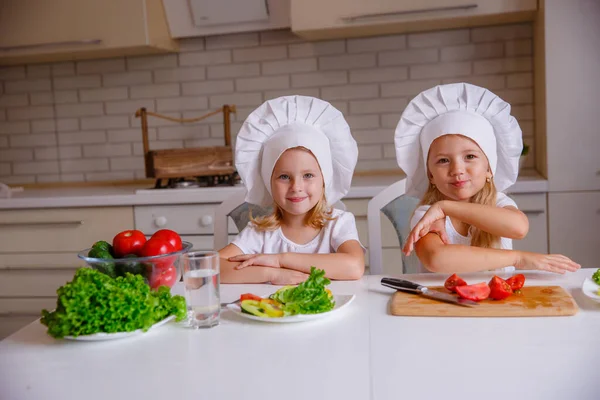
[(128, 242), (454, 281), (163, 277), (477, 292), (516, 282), (169, 236), (250, 296), (157, 247), (499, 289)]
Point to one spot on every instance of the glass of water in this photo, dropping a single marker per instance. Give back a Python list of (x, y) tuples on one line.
[(201, 280)]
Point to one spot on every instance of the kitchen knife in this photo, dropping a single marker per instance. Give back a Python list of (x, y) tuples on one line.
[(410, 287)]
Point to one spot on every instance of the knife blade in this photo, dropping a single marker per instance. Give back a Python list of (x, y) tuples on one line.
[(411, 287)]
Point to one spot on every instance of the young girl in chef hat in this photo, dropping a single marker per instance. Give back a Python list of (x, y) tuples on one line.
[(297, 154), (459, 147)]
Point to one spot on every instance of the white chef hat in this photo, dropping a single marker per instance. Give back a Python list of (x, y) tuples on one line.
[(458, 108), (292, 121)]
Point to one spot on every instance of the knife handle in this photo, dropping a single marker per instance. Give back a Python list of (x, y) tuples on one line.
[(401, 284)]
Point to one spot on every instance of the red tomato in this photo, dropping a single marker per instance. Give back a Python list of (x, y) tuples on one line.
[(250, 296), (128, 242), (164, 277), (157, 247), (499, 289), (169, 236), (516, 282), (454, 281), (477, 292)]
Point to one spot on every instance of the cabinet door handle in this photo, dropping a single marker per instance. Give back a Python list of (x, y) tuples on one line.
[(44, 224), (52, 44), (533, 212), (353, 18)]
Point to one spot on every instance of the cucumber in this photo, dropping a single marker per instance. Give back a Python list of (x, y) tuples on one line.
[(253, 307)]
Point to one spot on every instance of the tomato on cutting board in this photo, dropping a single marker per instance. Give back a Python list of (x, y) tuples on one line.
[(477, 292), (454, 281), (128, 242), (169, 236), (499, 289), (516, 282)]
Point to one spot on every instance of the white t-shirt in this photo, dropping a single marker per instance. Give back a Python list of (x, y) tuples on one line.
[(454, 237), (330, 238)]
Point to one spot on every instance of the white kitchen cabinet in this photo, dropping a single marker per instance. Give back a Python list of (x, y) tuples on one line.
[(187, 19), (326, 19), (573, 226), (535, 207), (572, 83), (38, 254), (42, 31)]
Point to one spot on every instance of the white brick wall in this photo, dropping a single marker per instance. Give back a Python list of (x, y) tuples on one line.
[(74, 121)]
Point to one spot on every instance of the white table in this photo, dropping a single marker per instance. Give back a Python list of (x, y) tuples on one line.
[(361, 353)]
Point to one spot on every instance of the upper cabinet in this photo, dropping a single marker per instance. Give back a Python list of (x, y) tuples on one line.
[(326, 19), (189, 18), (42, 31), (572, 83)]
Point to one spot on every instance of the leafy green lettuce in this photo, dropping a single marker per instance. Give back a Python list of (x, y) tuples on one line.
[(310, 297), (94, 302), (596, 276)]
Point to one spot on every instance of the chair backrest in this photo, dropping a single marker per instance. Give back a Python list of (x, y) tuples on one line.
[(398, 208)]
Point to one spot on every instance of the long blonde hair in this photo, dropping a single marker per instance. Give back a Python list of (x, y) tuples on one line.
[(486, 196)]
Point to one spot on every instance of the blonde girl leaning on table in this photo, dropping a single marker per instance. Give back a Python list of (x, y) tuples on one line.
[(296, 154), (460, 148)]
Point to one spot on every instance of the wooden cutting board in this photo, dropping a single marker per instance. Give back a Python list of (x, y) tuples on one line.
[(533, 301)]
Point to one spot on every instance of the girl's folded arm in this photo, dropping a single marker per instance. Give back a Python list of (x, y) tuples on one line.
[(246, 275), (348, 263), (450, 258), (506, 222)]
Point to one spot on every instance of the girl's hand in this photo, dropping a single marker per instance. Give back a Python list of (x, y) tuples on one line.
[(434, 221), (556, 263), (287, 277), (257, 260)]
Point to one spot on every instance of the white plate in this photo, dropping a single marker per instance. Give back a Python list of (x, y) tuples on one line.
[(590, 289), (118, 335), (341, 301)]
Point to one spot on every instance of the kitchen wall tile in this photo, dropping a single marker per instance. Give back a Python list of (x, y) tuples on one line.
[(46, 153), (440, 38), (265, 83), (152, 62), (232, 41), (350, 92), (7, 73), (89, 165), (311, 49), (82, 137), (375, 44), (472, 51), (153, 91), (31, 85), (378, 106), (182, 103), (381, 74), (9, 128), (112, 122), (289, 66), (186, 74), (16, 155), (233, 71), (127, 78), (408, 57), (279, 36), (33, 140), (129, 107), (100, 66), (43, 125), (107, 150), (347, 61), (77, 82), (35, 167), (260, 54), (501, 32), (105, 94), (39, 71), (14, 100), (519, 80), (79, 110), (318, 79), (206, 88), (29, 113), (205, 58), (444, 70)]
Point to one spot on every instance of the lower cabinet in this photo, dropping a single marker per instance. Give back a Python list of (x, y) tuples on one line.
[(573, 226), (38, 254)]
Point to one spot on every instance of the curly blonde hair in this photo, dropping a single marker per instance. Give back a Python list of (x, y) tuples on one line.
[(486, 196)]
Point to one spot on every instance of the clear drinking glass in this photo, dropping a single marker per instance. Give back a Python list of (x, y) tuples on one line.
[(201, 276)]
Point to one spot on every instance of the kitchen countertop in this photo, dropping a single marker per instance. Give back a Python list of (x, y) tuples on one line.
[(362, 187), (360, 353)]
